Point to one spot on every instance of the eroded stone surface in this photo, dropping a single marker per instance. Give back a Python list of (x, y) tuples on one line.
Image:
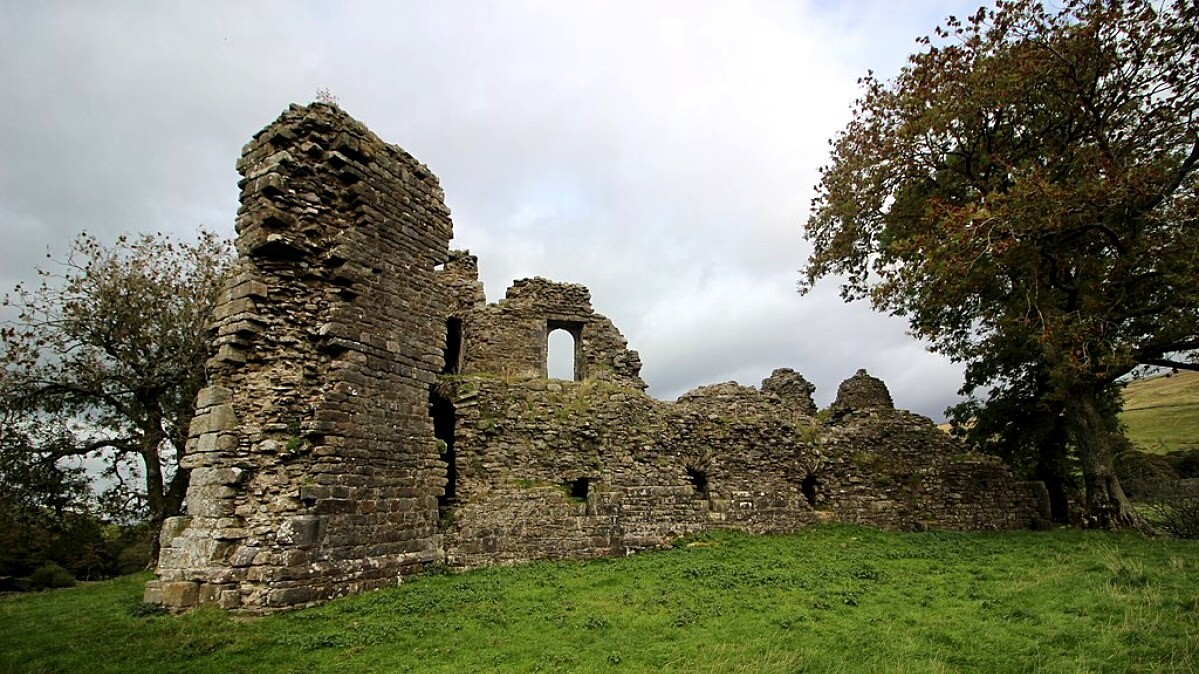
[(510, 337), (791, 387), (861, 393)]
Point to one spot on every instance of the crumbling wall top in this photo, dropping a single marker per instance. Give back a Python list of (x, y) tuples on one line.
[(462, 262), (791, 387), (730, 399), (511, 336), (553, 297), (860, 393), (459, 276)]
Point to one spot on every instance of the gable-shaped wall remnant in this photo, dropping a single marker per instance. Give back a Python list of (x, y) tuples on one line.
[(369, 412), (510, 337)]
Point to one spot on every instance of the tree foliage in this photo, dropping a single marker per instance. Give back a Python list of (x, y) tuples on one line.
[(50, 518), (1025, 426), (1024, 192), (33, 489), (104, 359), (38, 501)]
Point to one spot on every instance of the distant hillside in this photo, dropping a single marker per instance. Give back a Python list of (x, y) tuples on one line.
[(1162, 413)]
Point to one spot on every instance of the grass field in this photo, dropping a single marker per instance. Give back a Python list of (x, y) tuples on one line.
[(1162, 413), (829, 599)]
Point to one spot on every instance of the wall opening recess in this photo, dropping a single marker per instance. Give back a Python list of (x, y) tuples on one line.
[(453, 346), (442, 412), (809, 489), (579, 488), (699, 482)]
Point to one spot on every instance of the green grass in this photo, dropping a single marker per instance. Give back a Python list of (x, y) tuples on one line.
[(829, 599), (1162, 413)]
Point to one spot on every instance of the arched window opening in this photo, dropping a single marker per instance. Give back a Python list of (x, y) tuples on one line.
[(560, 358)]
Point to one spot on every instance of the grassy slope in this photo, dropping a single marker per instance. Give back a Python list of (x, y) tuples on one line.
[(1162, 413), (831, 598)]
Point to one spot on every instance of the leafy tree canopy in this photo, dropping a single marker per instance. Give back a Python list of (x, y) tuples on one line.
[(1024, 192), (105, 356)]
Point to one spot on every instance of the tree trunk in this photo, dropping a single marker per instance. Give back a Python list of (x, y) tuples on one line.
[(1058, 488), (1106, 505), (1053, 468), (163, 500), (155, 498)]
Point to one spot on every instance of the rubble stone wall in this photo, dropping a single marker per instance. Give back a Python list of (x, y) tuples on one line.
[(552, 469), (459, 277), (892, 468)]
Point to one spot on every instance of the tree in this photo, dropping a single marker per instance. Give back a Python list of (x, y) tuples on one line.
[(106, 356), (1024, 192), (37, 499), (1023, 423)]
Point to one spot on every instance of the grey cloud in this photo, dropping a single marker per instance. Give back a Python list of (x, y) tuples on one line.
[(662, 153)]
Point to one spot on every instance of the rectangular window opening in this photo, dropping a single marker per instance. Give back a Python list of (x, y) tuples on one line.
[(579, 487)]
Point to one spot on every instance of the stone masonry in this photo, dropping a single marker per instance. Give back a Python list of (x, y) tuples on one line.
[(314, 470), (369, 412)]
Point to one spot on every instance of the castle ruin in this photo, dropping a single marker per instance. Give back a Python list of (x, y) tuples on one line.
[(370, 413)]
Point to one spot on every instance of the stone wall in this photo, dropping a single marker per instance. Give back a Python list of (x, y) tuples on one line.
[(511, 337), (791, 387), (370, 413), (891, 468), (459, 277), (314, 470), (552, 469)]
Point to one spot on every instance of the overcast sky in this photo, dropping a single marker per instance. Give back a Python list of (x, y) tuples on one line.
[(661, 153)]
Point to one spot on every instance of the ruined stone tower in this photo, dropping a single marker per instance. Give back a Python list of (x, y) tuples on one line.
[(369, 412), (315, 472)]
